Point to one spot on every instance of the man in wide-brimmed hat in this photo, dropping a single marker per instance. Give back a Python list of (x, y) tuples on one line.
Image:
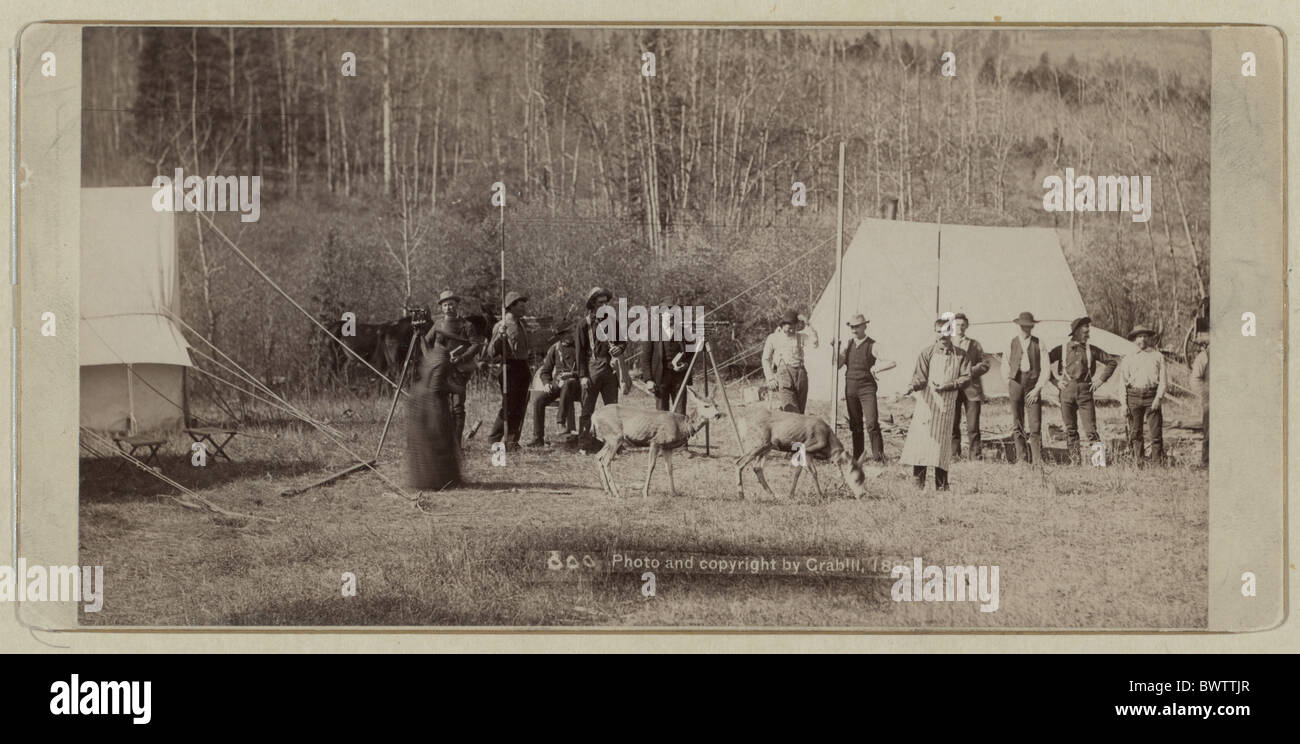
[(783, 353), (1025, 366), (1145, 379), (596, 372), (971, 397), (666, 364), (463, 358), (509, 344), (1074, 365), (557, 379), (861, 365)]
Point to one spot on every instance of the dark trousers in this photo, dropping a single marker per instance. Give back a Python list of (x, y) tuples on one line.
[(940, 477), (514, 402), (972, 408), (1077, 405), (458, 415), (666, 390), (604, 385), (864, 413), (1026, 423), (1142, 420), (567, 394)]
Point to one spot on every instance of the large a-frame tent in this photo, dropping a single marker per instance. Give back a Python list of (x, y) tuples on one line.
[(891, 270), (133, 357)]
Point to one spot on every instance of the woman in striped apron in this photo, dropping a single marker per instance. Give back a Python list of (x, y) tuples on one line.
[(941, 370)]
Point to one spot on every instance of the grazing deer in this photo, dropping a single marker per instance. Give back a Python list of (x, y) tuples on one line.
[(620, 426), (766, 430)]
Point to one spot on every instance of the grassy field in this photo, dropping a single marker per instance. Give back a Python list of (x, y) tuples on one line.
[(1113, 547)]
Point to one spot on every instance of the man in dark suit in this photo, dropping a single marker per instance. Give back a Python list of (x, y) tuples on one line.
[(666, 364), (1025, 365), (596, 371), (971, 397), (1074, 366)]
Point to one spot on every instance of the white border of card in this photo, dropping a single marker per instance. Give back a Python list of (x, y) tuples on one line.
[(1247, 489)]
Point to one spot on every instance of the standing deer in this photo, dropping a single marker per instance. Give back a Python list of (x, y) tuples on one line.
[(620, 426), (782, 430)]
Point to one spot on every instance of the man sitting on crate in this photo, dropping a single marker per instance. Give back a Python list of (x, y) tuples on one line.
[(556, 380)]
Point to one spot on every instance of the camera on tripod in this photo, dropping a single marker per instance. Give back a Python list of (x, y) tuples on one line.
[(420, 315)]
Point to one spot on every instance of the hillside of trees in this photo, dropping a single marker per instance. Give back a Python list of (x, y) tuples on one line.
[(673, 186)]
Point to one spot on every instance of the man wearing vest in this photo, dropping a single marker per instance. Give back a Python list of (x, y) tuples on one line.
[(1145, 379), (783, 362), (1074, 365), (858, 357), (1025, 370), (970, 397)]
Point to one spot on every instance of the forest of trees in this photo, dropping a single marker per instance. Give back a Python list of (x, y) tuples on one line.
[(678, 185)]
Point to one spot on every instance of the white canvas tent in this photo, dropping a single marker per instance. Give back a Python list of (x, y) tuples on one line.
[(990, 273), (133, 358)]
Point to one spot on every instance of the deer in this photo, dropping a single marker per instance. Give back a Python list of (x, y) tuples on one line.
[(620, 426), (782, 430)]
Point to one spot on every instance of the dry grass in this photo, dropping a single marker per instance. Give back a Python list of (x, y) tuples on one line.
[(1117, 547)]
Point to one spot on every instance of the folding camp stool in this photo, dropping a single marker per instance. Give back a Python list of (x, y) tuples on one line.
[(206, 434), (140, 443)]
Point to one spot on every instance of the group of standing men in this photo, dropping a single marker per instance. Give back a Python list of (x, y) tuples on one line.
[(947, 377)]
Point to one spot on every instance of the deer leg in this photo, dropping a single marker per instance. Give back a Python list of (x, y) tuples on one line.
[(672, 483), (794, 483), (754, 456), (600, 470), (816, 483), (762, 479), (606, 460), (650, 471)]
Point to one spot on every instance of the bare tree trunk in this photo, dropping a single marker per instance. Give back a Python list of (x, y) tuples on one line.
[(387, 103), (343, 142), (325, 112)]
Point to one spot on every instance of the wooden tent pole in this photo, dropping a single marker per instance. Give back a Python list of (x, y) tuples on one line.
[(839, 285), (938, 258)]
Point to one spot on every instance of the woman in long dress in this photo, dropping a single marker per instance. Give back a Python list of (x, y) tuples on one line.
[(941, 370), (431, 448)]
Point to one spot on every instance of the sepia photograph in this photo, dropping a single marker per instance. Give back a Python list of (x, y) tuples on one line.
[(683, 327)]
